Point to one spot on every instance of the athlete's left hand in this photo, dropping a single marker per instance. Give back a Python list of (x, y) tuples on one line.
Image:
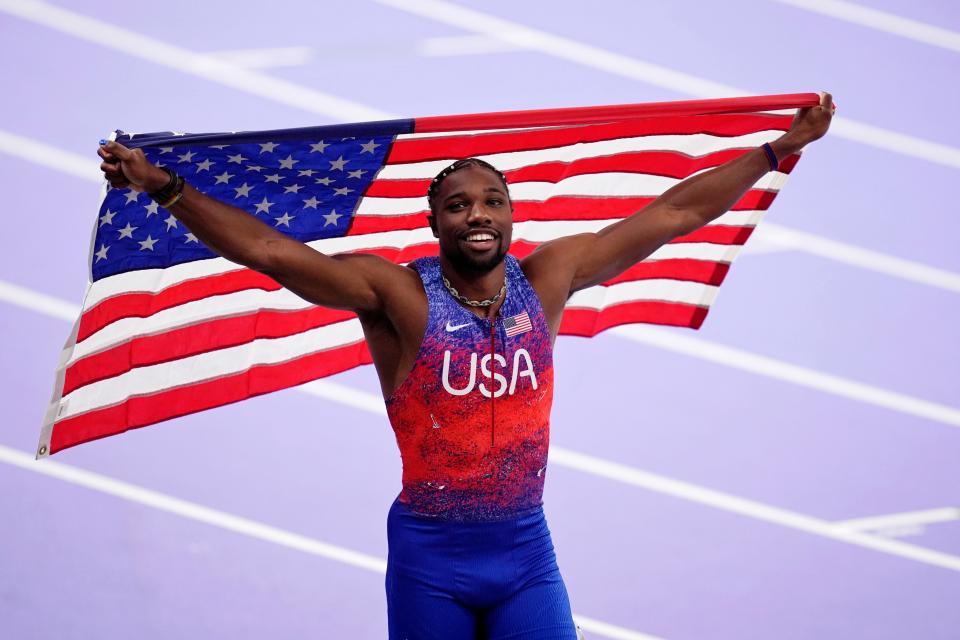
[(811, 123)]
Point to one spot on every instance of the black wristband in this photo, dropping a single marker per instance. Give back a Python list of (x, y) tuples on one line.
[(771, 156), (166, 192)]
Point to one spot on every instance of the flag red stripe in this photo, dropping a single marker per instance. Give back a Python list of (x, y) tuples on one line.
[(703, 271), (143, 305), (194, 339), (661, 163), (462, 146), (582, 115), (148, 409), (589, 322)]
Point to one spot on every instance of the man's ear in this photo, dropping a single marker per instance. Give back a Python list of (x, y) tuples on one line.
[(433, 224)]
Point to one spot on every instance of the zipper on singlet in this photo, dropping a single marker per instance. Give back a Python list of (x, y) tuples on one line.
[(493, 385)]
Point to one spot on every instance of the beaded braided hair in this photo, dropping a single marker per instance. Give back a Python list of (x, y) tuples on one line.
[(456, 166)]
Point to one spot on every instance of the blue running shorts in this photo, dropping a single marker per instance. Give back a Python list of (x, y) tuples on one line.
[(450, 580)]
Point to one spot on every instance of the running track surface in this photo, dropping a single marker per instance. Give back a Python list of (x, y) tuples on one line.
[(693, 492)]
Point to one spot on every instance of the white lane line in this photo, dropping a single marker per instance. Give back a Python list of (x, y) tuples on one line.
[(853, 255), (243, 526), (795, 374), (464, 46), (906, 519), (657, 75), (604, 468), (203, 66), (881, 21), (48, 156), (768, 238), (190, 510), (675, 488), (42, 303), (266, 58)]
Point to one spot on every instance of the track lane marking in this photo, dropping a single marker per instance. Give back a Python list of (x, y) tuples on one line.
[(243, 526), (629, 475), (881, 21), (207, 67), (905, 519), (786, 372)]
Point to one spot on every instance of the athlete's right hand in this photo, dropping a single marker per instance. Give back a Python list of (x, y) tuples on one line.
[(123, 167)]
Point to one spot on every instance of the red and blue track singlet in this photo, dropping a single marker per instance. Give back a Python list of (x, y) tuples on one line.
[(472, 419)]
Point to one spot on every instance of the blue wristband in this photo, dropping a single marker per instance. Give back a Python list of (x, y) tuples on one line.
[(771, 156)]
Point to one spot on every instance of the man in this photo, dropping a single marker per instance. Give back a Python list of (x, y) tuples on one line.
[(462, 344)]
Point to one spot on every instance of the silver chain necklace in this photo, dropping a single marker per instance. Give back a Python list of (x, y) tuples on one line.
[(473, 303)]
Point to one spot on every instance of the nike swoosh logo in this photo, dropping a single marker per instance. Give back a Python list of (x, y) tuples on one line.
[(455, 327)]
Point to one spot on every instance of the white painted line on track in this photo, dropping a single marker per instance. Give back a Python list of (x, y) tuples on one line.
[(626, 474), (853, 255), (49, 156), (629, 475), (795, 374), (768, 237), (266, 58), (203, 66), (906, 519), (657, 75), (30, 299), (464, 46), (243, 526), (881, 21)]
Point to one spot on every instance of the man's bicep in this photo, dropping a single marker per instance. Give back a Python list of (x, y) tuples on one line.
[(348, 281), (617, 247)]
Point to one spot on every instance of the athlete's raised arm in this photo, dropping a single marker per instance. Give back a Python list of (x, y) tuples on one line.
[(343, 282), (568, 264)]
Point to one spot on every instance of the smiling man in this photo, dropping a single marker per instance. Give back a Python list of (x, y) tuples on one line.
[(462, 343)]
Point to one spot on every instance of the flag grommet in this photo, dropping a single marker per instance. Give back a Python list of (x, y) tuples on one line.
[(43, 449)]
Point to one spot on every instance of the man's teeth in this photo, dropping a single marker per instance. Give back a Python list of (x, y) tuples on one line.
[(479, 237)]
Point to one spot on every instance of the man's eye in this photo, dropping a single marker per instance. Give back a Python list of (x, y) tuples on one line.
[(455, 206), (494, 202)]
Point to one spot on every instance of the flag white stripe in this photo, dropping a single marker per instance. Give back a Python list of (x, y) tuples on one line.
[(681, 291), (695, 145), (155, 280), (207, 366), (186, 314)]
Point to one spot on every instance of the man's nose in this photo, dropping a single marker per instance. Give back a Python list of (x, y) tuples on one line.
[(478, 214)]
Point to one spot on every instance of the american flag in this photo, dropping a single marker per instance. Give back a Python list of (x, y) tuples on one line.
[(515, 325), (168, 328)]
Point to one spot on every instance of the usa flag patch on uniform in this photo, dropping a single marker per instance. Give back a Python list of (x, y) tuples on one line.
[(515, 325)]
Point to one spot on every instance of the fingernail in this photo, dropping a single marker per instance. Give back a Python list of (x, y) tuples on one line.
[(102, 142)]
